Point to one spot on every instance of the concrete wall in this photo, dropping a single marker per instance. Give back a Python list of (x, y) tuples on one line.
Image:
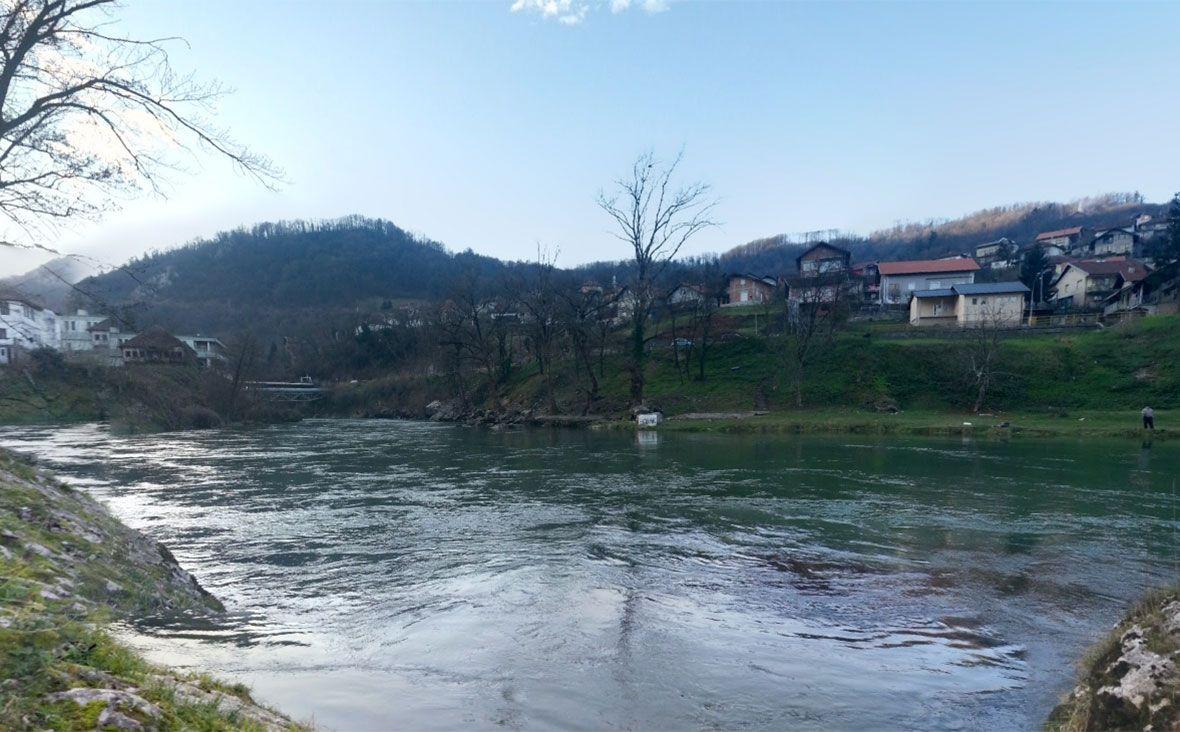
[(1005, 309), (923, 310)]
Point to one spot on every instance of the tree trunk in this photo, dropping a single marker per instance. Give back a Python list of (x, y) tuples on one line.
[(638, 357)]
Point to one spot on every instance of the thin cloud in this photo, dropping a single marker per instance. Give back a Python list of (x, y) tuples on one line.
[(573, 12)]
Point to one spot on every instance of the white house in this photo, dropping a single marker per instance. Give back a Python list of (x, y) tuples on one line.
[(209, 350), (74, 331), (970, 305), (24, 325), (900, 279)]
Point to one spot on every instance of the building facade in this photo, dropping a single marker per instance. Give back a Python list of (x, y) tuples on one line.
[(899, 280)]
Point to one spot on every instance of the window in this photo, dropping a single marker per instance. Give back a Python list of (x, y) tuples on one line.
[(975, 301), (912, 286), (3, 308), (3, 333)]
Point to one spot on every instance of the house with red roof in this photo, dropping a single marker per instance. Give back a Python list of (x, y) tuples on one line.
[(1084, 284), (899, 280), (1062, 241)]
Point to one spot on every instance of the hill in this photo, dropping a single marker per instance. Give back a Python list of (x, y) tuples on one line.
[(50, 284), (931, 239), (279, 273)]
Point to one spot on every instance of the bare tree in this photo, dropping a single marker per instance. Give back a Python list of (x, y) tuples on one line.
[(538, 297), (655, 217), (712, 288), (88, 115), (817, 306), (980, 351)]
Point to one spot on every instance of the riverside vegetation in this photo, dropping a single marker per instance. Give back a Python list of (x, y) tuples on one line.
[(67, 568), (1089, 383)]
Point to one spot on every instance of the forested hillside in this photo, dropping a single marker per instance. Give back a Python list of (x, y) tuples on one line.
[(272, 269)]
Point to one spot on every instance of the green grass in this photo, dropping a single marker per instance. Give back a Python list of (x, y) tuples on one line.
[(1080, 423)]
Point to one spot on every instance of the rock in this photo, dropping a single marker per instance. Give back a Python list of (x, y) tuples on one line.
[(39, 550), (114, 698), (113, 587), (113, 719), (193, 694)]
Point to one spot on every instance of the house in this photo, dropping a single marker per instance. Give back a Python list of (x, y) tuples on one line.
[(684, 296), (157, 346), (1062, 241), (1158, 292), (992, 252), (74, 331), (210, 351), (969, 305), (899, 279), (823, 259), (1113, 242), (868, 276), (748, 289), (24, 325), (1085, 284)]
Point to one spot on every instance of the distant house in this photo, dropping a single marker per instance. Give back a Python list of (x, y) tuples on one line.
[(24, 325), (686, 295), (1086, 283), (823, 259), (748, 289), (157, 346), (1062, 241), (210, 351), (868, 276), (1113, 242), (900, 279), (1157, 293), (74, 331), (996, 251), (969, 305), (106, 344)]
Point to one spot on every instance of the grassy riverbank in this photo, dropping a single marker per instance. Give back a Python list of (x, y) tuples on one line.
[(67, 567), (1129, 679), (1081, 423), (1042, 381)]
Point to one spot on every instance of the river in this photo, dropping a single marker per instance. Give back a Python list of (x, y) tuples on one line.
[(403, 575)]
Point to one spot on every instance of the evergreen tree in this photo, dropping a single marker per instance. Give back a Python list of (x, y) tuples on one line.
[(1168, 250), (1035, 265)]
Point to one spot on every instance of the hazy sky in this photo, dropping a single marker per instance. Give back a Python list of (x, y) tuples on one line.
[(492, 125)]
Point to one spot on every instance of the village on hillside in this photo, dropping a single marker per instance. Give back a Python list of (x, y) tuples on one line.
[(1079, 276), (1087, 276)]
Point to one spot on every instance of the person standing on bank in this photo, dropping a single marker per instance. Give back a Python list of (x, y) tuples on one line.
[(1149, 418)]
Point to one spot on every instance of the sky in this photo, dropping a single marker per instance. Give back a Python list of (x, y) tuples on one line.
[(493, 125)]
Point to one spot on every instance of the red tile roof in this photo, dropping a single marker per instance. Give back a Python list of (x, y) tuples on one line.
[(1131, 271), (929, 266), (1060, 232)]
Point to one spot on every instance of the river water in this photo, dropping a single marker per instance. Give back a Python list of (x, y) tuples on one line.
[(402, 575)]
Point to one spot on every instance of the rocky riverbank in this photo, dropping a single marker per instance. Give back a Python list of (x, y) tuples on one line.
[(67, 567), (1130, 680)]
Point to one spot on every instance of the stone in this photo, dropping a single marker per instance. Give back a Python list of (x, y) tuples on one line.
[(113, 719), (116, 698)]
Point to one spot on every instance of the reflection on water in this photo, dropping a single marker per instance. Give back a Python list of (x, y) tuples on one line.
[(421, 576)]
